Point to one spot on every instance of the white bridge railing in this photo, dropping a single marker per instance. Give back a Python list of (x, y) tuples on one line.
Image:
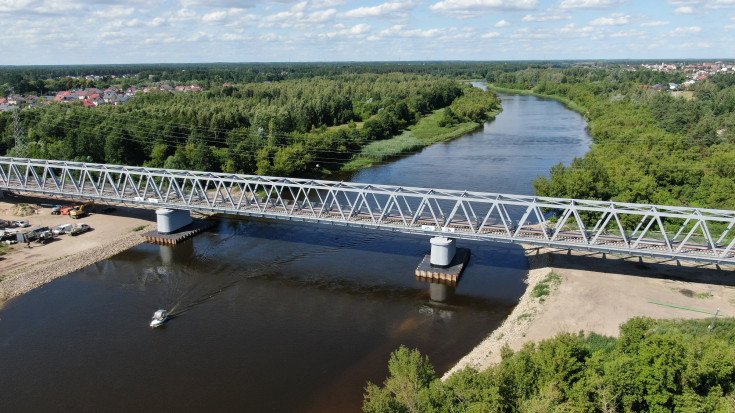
[(683, 233)]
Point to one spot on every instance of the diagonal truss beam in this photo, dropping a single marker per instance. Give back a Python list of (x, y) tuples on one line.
[(682, 233)]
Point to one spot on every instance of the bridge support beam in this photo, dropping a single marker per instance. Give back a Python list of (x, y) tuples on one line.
[(442, 251), (170, 220)]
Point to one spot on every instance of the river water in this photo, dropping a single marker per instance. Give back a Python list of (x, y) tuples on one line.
[(279, 316)]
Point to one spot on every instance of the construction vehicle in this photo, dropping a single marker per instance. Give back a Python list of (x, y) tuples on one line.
[(66, 209), (82, 210), (45, 237)]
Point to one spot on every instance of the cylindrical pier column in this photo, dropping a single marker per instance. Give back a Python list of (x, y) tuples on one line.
[(442, 251), (170, 220)]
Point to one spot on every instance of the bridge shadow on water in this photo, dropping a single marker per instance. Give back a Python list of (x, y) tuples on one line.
[(633, 266)]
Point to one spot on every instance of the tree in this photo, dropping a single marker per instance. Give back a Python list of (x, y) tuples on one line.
[(407, 387)]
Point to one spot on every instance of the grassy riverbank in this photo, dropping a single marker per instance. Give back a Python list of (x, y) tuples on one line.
[(424, 133)]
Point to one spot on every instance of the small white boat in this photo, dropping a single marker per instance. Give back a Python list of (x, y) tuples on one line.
[(159, 317)]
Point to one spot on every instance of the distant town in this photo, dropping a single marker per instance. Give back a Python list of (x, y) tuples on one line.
[(92, 96)]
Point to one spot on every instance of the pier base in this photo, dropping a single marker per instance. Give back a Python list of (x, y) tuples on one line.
[(173, 238), (447, 275)]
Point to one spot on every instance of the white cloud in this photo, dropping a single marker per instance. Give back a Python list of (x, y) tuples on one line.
[(321, 16), (684, 10), (470, 8), (503, 23), (156, 22), (350, 32), (629, 33), (400, 30), (295, 12), (219, 3), (588, 4), (321, 4), (105, 35), (686, 31), (654, 23), (214, 17), (10, 6), (385, 9), (615, 19), (490, 35), (114, 12), (720, 4), (545, 17)]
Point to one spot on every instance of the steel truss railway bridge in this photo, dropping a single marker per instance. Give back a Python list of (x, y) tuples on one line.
[(643, 230)]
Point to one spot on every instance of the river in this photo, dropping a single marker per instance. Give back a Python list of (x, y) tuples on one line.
[(279, 316)]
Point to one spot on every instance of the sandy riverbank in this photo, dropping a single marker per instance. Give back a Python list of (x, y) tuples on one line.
[(597, 294), (25, 268)]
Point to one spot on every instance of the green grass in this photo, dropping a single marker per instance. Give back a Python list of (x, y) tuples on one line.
[(139, 228), (524, 317), (597, 342), (542, 289), (424, 133)]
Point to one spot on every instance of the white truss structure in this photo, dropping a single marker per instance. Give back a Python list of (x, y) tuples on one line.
[(681, 233)]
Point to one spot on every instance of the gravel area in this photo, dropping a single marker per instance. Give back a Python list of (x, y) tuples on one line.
[(23, 269)]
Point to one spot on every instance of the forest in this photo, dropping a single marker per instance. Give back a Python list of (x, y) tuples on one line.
[(299, 127), (654, 366), (649, 146)]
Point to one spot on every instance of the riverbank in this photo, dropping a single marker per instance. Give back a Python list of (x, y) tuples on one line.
[(597, 293), (568, 103), (424, 133), (23, 269)]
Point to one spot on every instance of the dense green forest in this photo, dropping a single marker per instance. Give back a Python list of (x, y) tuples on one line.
[(654, 366), (649, 146), (43, 79), (290, 128)]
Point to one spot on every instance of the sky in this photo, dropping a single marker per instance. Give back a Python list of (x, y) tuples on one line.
[(48, 32)]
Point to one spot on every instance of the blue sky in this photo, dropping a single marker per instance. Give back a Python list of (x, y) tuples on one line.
[(145, 31)]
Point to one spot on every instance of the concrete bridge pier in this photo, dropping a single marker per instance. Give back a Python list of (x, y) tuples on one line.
[(170, 220), (443, 267), (442, 251)]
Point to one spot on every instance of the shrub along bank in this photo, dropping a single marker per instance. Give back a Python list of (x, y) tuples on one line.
[(655, 366)]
